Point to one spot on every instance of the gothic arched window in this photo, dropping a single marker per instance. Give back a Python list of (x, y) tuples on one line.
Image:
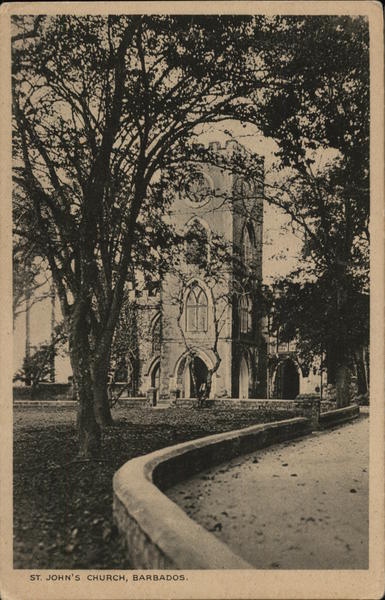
[(197, 244), (196, 310), (248, 244), (245, 314)]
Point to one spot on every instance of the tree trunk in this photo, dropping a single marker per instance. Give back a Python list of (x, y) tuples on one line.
[(53, 320), (362, 383), (28, 330), (343, 356), (338, 371), (194, 392), (102, 407), (100, 372), (331, 364), (89, 434), (209, 381), (342, 385)]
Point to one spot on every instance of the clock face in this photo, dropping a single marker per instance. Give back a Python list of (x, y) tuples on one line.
[(198, 187)]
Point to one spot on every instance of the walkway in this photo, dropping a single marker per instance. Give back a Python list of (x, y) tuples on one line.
[(297, 505)]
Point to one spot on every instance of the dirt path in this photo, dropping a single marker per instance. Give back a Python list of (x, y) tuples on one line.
[(299, 505)]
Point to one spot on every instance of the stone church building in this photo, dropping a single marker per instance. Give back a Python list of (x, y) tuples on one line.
[(194, 320)]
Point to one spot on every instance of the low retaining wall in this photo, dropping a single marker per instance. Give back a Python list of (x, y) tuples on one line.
[(339, 416), (157, 534), (44, 391), (327, 405), (362, 399), (304, 406), (44, 403), (139, 402), (128, 402)]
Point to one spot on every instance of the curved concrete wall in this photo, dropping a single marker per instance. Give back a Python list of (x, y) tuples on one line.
[(339, 416), (156, 533)]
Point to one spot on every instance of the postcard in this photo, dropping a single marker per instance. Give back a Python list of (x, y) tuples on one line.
[(192, 316)]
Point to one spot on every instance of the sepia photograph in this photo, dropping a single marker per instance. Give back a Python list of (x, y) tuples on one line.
[(192, 269)]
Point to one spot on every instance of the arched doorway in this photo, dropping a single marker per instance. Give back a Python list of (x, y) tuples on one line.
[(200, 372), (155, 379), (243, 379), (182, 373), (286, 380)]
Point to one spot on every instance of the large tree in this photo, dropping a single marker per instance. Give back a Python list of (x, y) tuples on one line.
[(319, 117), (100, 106)]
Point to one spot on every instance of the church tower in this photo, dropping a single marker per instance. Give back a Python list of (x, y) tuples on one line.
[(209, 318)]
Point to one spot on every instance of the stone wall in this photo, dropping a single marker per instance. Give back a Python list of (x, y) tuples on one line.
[(320, 414), (44, 391), (327, 405), (304, 406), (54, 392), (362, 400), (138, 402), (156, 533), (339, 416)]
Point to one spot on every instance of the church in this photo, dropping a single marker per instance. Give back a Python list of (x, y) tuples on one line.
[(196, 324)]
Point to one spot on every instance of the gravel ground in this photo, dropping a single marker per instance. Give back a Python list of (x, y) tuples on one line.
[(299, 505)]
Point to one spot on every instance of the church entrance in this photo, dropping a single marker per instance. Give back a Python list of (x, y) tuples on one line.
[(155, 380), (287, 380), (200, 372), (183, 375), (243, 379)]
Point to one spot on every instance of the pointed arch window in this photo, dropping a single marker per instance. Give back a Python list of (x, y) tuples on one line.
[(248, 244), (197, 244), (245, 314), (243, 379), (196, 310)]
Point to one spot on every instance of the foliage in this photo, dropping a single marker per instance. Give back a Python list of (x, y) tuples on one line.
[(305, 311), (37, 367), (320, 119), (125, 351), (323, 99)]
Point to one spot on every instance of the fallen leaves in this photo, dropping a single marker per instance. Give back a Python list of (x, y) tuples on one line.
[(71, 498)]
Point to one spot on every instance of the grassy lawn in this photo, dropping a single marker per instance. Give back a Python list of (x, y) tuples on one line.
[(63, 506)]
